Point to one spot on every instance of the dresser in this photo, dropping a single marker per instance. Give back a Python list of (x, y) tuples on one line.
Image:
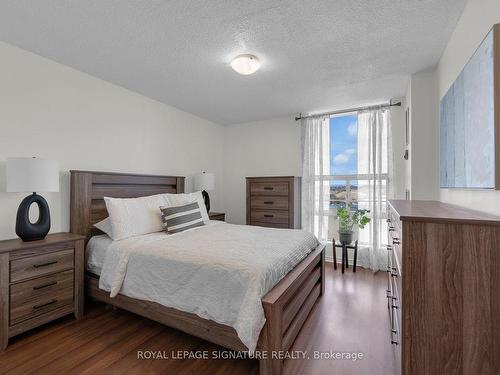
[(273, 201), (39, 281), (443, 291)]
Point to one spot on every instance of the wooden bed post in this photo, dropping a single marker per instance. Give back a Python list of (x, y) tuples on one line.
[(272, 365), (287, 306)]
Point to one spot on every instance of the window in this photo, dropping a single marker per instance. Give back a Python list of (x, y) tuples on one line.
[(349, 163), (346, 162)]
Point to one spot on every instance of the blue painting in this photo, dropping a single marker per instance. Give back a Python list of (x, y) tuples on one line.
[(467, 128)]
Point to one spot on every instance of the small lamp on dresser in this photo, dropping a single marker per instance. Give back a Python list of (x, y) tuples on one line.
[(205, 181), (32, 175)]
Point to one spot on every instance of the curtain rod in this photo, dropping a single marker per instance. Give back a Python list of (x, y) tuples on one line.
[(383, 105)]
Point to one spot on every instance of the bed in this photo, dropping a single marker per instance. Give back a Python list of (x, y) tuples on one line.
[(285, 306)]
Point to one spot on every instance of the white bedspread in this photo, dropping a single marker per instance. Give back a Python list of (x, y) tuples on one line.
[(218, 272)]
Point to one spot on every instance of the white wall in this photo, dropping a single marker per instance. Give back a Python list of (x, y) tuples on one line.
[(407, 102), (52, 111), (400, 165), (477, 19), (262, 148), (424, 136)]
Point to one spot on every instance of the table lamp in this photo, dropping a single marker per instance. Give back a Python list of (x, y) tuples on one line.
[(32, 175), (205, 181)]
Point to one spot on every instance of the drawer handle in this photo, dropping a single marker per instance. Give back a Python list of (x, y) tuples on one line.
[(45, 285), (268, 202), (45, 264), (268, 188), (394, 333), (391, 229), (36, 307), (268, 215), (396, 242), (389, 247)]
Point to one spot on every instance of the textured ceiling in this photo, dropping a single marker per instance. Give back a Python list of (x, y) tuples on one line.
[(317, 55)]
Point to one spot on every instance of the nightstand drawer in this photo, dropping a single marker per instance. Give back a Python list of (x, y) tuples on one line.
[(41, 288), (26, 268), (41, 305)]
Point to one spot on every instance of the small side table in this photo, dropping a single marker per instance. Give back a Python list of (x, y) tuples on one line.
[(345, 257), (221, 216), (40, 281)]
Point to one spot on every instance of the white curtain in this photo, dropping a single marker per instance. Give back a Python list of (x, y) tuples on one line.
[(315, 166), (374, 160)]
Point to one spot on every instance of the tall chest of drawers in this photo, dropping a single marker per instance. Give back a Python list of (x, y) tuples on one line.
[(39, 281), (443, 291), (273, 201)]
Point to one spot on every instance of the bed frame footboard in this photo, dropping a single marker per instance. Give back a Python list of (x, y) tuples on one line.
[(286, 308)]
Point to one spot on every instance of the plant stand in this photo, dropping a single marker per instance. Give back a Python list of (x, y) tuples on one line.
[(345, 257)]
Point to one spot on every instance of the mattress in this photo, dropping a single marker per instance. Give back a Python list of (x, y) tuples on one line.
[(95, 253), (219, 271)]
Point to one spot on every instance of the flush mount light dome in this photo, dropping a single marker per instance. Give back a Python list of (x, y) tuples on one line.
[(245, 64)]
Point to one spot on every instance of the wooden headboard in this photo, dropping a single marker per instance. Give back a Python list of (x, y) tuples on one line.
[(88, 190)]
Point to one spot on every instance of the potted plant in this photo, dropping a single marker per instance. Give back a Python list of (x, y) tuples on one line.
[(348, 218)]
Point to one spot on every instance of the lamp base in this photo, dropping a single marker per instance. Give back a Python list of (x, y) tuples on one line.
[(25, 229), (206, 198)]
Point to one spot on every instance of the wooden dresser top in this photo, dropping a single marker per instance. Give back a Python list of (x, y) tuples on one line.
[(435, 211)]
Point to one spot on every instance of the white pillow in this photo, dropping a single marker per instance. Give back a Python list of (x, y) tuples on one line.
[(105, 226), (135, 216), (174, 200)]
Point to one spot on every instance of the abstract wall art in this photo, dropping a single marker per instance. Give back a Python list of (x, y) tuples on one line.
[(468, 124)]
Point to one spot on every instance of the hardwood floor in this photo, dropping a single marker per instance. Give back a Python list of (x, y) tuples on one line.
[(351, 317)]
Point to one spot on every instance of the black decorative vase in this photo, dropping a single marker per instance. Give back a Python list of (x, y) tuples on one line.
[(206, 198), (25, 229), (345, 237)]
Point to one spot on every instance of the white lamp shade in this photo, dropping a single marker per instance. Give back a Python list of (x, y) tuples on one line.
[(204, 181), (32, 175)]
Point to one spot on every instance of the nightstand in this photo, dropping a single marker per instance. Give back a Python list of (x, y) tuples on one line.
[(39, 281), (221, 216)]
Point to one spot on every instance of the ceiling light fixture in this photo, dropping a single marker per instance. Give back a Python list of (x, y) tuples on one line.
[(245, 64)]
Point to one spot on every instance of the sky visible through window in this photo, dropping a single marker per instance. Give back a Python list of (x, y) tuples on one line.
[(344, 145), (344, 159)]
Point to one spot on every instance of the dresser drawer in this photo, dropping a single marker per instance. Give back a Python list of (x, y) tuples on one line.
[(396, 241), (36, 297), (270, 216), (267, 202), (269, 188), (269, 225), (35, 266)]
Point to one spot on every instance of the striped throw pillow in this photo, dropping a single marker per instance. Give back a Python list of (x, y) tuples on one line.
[(180, 218)]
